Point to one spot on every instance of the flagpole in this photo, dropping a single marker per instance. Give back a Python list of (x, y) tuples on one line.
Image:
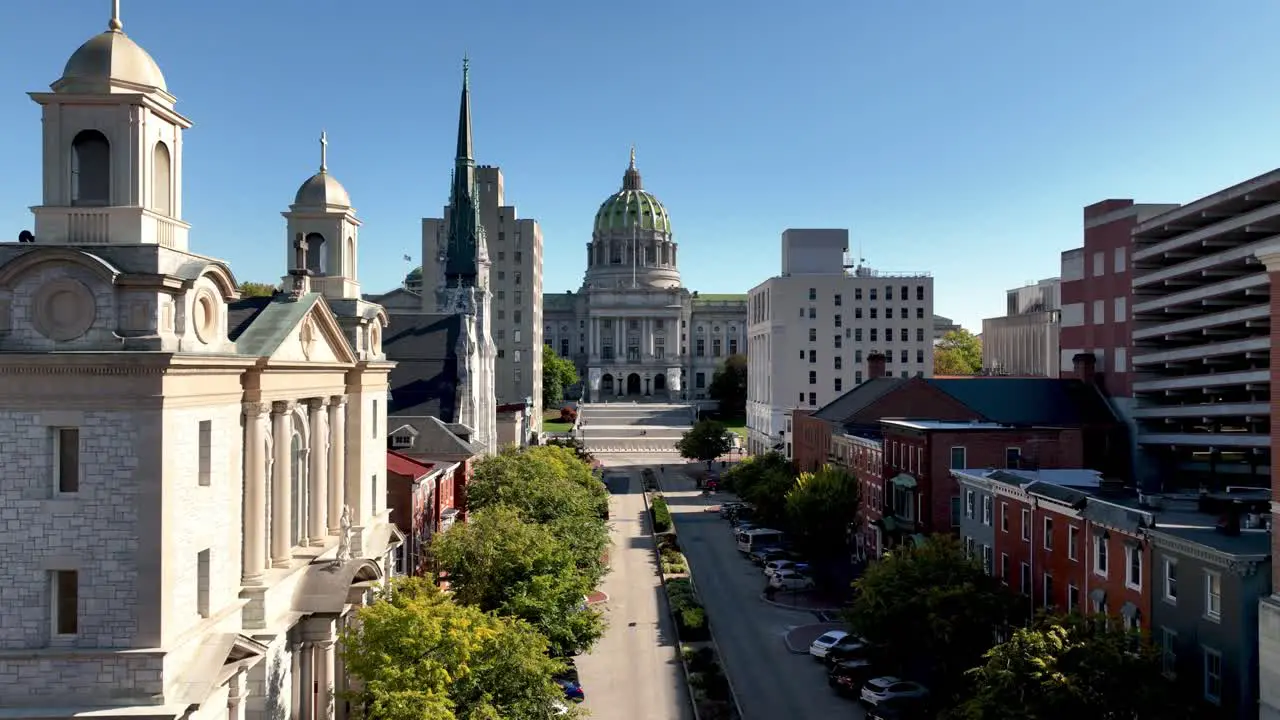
[(634, 243)]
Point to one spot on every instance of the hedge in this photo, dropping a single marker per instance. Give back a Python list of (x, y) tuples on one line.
[(661, 514)]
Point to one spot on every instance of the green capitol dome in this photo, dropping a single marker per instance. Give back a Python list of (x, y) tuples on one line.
[(632, 207)]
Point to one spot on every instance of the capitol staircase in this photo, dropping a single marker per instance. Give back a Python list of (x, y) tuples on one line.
[(632, 427)]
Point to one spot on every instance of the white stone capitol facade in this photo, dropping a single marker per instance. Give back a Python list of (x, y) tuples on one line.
[(632, 329)]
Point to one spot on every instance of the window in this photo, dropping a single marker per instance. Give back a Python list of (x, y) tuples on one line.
[(66, 601), (1212, 595), (715, 347), (1004, 517), (813, 335), (1048, 533), (515, 356), (857, 334), (920, 296), (1100, 555), (813, 377), (700, 380), (988, 557), (857, 378), (968, 496), (955, 512), (1004, 568), (1168, 652), (1073, 542), (519, 297), (905, 335), (1073, 598), (839, 321), (515, 334), (839, 387), (1099, 263), (1118, 309), (1047, 589), (813, 356), (838, 362), (90, 169), (1024, 581), (838, 300), (857, 313), (813, 294), (920, 356), (875, 334), (1012, 458), (986, 510), (1026, 525), (515, 316), (1171, 580), (957, 456), (813, 398), (857, 293), (66, 459), (401, 440), (1212, 676), (202, 583), (162, 180), (813, 314), (660, 347), (518, 277), (204, 454), (1133, 565), (379, 503), (700, 347), (838, 345), (871, 294), (968, 546)]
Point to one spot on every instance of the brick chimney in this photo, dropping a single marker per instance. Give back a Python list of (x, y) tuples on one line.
[(1086, 367), (875, 365)]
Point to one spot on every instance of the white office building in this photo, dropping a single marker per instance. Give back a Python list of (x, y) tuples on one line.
[(811, 328)]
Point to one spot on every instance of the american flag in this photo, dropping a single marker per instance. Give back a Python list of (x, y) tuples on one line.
[(408, 259)]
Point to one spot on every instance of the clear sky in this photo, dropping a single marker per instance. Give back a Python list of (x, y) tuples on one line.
[(961, 138)]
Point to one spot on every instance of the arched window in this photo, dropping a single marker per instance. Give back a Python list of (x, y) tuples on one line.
[(162, 180), (298, 513), (90, 169), (316, 253), (349, 262)]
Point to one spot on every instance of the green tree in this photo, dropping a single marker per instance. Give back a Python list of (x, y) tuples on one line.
[(420, 656), (820, 507), (705, 441), (959, 352), (500, 563), (558, 373), (729, 387), (930, 610), (256, 289), (1066, 668), (764, 481)]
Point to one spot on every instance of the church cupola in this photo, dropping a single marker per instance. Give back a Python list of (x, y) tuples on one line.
[(112, 160), (322, 215)]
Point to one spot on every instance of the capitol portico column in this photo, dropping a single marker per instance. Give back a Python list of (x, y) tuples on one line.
[(337, 460), (281, 484), (255, 492), (318, 505)]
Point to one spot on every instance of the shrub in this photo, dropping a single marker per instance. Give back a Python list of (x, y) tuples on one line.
[(680, 593), (692, 623), (700, 660), (568, 414), (661, 514), (668, 541)]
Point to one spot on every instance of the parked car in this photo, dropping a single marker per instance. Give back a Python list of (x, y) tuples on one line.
[(727, 509), (914, 710), (774, 566), (893, 691), (848, 676), (851, 647), (767, 554), (572, 688), (819, 648), (791, 580)]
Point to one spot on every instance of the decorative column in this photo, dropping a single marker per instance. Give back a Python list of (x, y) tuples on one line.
[(306, 679), (318, 477), (337, 460), (324, 673), (281, 484), (255, 493), (237, 691)]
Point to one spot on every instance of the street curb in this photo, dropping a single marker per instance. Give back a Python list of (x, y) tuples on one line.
[(795, 608), (671, 613), (786, 640), (711, 628)]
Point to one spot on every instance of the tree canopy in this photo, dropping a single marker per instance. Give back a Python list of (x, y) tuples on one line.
[(764, 481), (705, 441), (257, 289), (498, 562), (820, 506), (420, 656), (930, 609), (558, 373), (959, 352), (729, 386), (1066, 668)]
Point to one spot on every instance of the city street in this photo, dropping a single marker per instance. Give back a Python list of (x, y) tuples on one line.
[(770, 682), (633, 673)]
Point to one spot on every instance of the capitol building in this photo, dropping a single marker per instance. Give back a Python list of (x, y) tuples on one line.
[(633, 330)]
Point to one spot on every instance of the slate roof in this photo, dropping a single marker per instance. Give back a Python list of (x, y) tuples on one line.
[(1058, 493), (258, 325), (849, 404), (435, 439), (1029, 401), (425, 378), (558, 301)]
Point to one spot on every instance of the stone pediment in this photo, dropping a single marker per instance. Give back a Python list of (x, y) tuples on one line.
[(296, 331)]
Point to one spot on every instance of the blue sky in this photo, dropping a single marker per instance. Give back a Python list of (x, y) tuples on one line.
[(958, 138)]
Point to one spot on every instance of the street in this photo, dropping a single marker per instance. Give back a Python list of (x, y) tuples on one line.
[(770, 682), (633, 673)]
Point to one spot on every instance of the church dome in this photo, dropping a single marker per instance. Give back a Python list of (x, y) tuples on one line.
[(632, 207), (110, 59), (322, 190)]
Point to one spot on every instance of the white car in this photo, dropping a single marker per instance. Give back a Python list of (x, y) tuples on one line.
[(774, 566), (820, 646), (883, 689), (791, 580)]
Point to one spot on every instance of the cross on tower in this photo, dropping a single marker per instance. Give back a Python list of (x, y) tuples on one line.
[(299, 252), (324, 151)]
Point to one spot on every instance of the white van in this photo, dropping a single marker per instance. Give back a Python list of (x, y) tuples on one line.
[(751, 540)]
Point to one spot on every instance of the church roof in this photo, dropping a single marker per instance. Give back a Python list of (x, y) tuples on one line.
[(110, 62), (258, 325), (425, 378)]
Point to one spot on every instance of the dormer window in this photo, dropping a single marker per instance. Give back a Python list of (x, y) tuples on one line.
[(400, 441)]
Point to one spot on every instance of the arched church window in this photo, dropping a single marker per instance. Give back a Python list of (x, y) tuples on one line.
[(298, 501), (315, 253), (90, 169), (162, 180), (349, 262)]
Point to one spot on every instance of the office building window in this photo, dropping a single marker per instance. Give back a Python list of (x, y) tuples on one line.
[(838, 362), (813, 294), (838, 300), (857, 293), (700, 347), (813, 398), (813, 378), (838, 387)]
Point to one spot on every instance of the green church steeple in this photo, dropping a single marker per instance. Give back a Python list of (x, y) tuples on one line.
[(466, 234)]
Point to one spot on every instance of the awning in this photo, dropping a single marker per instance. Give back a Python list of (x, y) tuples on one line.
[(1098, 596), (904, 481), (1129, 610)]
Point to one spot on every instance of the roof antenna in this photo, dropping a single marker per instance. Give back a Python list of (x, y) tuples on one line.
[(115, 25)]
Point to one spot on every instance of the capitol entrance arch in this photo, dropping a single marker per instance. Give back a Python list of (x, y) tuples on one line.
[(633, 384)]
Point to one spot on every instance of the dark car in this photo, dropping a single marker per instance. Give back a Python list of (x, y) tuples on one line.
[(767, 554), (847, 676)]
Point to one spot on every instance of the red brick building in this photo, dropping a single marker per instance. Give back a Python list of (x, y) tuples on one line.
[(425, 498)]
